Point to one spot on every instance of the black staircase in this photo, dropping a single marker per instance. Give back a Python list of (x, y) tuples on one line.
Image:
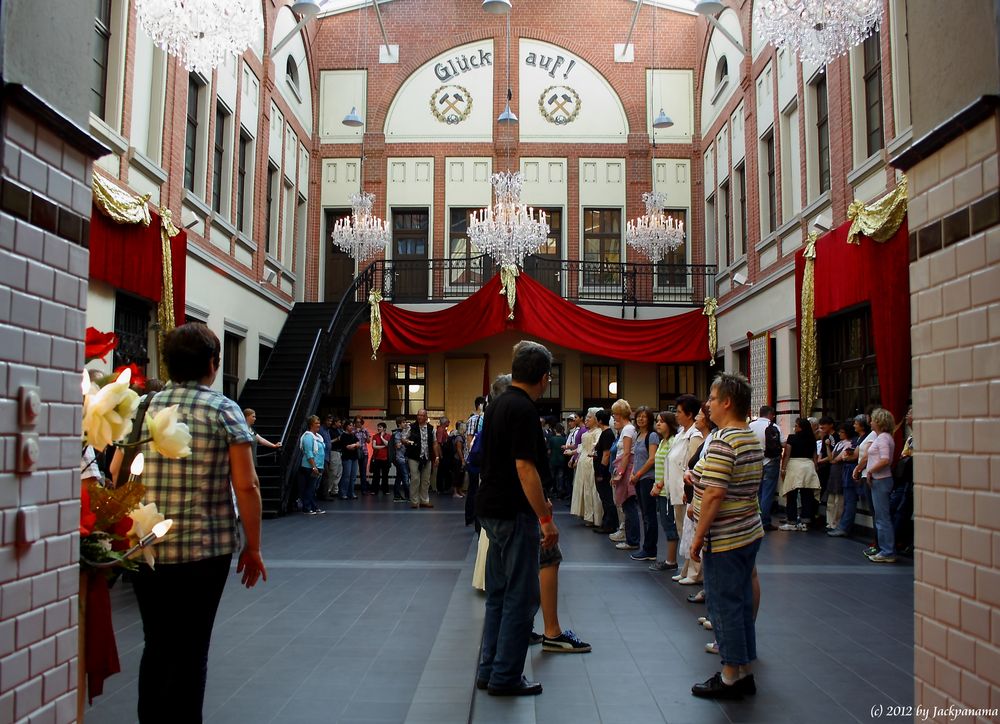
[(304, 362)]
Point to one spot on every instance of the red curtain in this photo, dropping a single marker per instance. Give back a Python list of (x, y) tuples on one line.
[(130, 257), (878, 273), (543, 314)]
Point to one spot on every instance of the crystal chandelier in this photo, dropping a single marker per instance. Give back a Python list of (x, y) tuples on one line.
[(816, 30), (361, 235), (201, 33), (655, 234), (508, 231)]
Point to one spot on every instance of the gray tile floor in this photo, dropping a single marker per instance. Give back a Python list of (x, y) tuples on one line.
[(369, 616)]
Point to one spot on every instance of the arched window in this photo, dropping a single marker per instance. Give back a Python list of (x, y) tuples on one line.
[(292, 73), (721, 72)]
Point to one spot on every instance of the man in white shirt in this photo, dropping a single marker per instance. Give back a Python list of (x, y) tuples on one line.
[(772, 461)]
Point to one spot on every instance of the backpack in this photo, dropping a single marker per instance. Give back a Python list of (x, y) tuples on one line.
[(772, 441), (474, 460)]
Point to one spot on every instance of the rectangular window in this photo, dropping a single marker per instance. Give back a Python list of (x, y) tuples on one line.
[(288, 224), (823, 133), (219, 157), (407, 383), (552, 246), (602, 247), (725, 248), (743, 362), (465, 261), (550, 403), (601, 385), (791, 172), (873, 92), (674, 381), (191, 134), (263, 355), (243, 190), (101, 54), (270, 210), (741, 189), (231, 349), (711, 231), (769, 217), (672, 271)]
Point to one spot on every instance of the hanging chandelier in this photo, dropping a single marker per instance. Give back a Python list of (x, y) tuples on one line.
[(201, 33), (508, 231), (361, 235), (818, 31), (655, 234)]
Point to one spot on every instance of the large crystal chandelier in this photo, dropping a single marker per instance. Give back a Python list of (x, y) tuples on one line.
[(655, 234), (508, 231), (361, 235), (201, 33), (817, 31)]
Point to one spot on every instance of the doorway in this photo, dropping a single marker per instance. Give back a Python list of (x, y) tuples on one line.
[(410, 232), (545, 266), (339, 265)]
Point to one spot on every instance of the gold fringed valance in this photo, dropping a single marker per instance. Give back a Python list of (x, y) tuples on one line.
[(374, 299), (808, 362), (508, 288), (120, 205), (881, 219), (165, 309), (711, 304)]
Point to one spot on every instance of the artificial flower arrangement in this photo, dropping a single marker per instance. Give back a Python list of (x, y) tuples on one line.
[(114, 522)]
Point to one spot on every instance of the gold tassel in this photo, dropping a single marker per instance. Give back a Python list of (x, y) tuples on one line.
[(508, 288), (165, 309), (374, 299), (711, 304), (808, 363)]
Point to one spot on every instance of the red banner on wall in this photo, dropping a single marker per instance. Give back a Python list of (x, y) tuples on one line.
[(543, 314), (130, 257)]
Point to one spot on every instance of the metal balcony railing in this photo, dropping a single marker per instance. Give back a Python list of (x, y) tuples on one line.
[(583, 282)]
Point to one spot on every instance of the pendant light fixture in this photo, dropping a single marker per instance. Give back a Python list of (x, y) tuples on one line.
[(497, 7), (353, 119), (507, 116)]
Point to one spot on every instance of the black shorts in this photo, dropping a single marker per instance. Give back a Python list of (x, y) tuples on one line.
[(549, 556)]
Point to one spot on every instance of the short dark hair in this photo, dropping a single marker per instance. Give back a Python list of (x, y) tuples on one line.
[(603, 417), (827, 420), (480, 401), (690, 404), (400, 421), (188, 350), (530, 363), (381, 426), (766, 411), (846, 428), (735, 388)]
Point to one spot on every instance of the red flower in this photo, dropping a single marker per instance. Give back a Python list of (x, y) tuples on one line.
[(88, 518), (98, 344), (138, 379), (121, 528)]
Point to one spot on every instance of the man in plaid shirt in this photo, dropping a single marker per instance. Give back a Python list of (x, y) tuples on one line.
[(178, 599)]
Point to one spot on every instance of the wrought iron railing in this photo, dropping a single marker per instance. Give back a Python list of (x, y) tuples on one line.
[(583, 282)]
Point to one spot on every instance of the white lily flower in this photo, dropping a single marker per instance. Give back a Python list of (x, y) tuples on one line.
[(144, 517), (108, 412), (171, 438)]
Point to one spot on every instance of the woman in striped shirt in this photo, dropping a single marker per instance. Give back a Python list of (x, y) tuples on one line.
[(729, 530)]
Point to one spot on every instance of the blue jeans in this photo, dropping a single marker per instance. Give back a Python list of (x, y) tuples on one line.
[(647, 506), (881, 488), (307, 489), (512, 597), (852, 491), (631, 509), (402, 479), (666, 512), (768, 487), (347, 479), (729, 597)]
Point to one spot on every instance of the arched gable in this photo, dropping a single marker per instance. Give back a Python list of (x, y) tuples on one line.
[(722, 71), (294, 87)]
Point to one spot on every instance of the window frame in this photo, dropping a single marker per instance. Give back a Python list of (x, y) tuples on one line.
[(871, 83), (587, 373), (231, 363), (102, 29), (601, 278), (668, 397), (270, 213), (822, 106), (769, 172), (740, 172), (220, 152), (191, 140), (408, 398), (725, 214), (244, 183)]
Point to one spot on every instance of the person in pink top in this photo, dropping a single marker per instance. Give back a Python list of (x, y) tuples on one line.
[(879, 475)]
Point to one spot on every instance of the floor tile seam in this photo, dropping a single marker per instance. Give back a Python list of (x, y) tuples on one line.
[(841, 665)]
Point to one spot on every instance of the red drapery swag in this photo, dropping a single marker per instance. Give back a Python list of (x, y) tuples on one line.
[(879, 273), (130, 257), (541, 313)]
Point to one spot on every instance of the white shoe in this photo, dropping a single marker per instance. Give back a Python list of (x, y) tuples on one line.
[(623, 546), (687, 581), (678, 577), (788, 526), (617, 536)]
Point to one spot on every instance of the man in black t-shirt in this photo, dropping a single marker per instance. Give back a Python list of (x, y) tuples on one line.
[(602, 474), (511, 507)]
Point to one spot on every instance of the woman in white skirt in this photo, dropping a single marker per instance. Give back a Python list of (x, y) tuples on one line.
[(798, 476), (586, 503)]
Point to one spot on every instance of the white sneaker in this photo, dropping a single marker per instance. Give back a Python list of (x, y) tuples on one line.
[(678, 577), (617, 536), (623, 546), (788, 526)]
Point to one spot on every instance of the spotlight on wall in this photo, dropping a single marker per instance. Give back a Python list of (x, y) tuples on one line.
[(496, 7), (193, 224), (823, 223), (269, 276), (307, 8), (708, 7), (740, 280)]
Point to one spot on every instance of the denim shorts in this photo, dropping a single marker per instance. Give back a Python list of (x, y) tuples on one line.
[(549, 556)]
